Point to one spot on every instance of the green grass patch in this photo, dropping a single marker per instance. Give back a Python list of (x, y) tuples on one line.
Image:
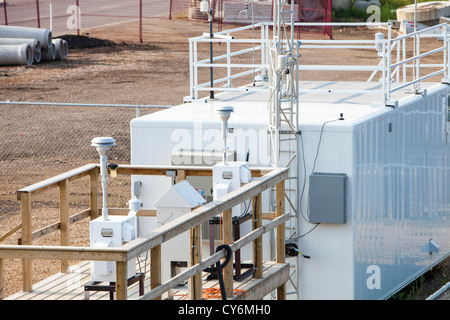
[(387, 11)]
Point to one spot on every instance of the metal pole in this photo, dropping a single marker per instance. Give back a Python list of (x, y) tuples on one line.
[(211, 35), (58, 104), (38, 14), (170, 9), (6, 14), (51, 18), (78, 17), (140, 21)]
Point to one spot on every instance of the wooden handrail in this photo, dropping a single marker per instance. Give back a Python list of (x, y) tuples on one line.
[(10, 232), (205, 212), (212, 259), (265, 178), (54, 181), (62, 252), (129, 170)]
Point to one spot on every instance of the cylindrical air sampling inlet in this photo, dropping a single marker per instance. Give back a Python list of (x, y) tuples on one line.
[(204, 6), (224, 113), (44, 36), (103, 145), (282, 62), (379, 37), (14, 55)]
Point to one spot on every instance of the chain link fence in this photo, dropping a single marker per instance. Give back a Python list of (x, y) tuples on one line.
[(254, 11), (77, 16), (39, 142)]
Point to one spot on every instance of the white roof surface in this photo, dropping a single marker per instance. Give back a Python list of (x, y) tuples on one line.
[(252, 107)]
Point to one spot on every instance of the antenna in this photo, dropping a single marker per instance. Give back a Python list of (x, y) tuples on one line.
[(225, 113), (103, 145)]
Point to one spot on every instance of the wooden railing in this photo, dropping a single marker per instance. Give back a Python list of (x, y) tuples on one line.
[(265, 178)]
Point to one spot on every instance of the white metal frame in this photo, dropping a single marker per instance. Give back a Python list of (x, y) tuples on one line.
[(393, 74), (228, 37)]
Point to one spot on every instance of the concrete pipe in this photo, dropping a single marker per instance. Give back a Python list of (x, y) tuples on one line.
[(61, 48), (65, 49), (35, 44), (16, 54), (49, 54), (58, 48), (37, 56), (44, 36)]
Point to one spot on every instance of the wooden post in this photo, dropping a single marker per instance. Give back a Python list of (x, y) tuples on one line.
[(181, 175), (121, 280), (155, 268), (93, 193), (227, 225), (257, 244), (196, 257), (280, 258), (64, 218), (25, 205)]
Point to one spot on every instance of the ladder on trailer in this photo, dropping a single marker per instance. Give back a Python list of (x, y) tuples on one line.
[(283, 104)]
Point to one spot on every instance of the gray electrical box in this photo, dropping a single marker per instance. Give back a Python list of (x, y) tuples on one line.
[(327, 198)]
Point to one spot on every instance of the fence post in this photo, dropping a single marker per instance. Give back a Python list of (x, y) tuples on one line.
[(155, 268), (6, 13), (38, 14), (257, 245), (64, 218), (93, 193), (140, 21), (170, 10), (281, 290), (228, 270), (25, 205), (78, 17), (121, 280), (196, 257), (181, 175)]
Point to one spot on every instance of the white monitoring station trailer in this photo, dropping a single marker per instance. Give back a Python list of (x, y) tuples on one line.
[(369, 193)]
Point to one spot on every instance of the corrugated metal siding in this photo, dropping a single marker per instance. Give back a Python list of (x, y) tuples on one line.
[(401, 194)]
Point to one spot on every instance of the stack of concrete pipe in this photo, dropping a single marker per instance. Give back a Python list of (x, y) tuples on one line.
[(25, 46)]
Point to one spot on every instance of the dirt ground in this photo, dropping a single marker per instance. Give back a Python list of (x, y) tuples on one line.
[(122, 71)]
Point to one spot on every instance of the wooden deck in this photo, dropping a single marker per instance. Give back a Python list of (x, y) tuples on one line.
[(70, 285)]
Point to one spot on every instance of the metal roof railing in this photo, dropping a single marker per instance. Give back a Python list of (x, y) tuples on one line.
[(398, 68)]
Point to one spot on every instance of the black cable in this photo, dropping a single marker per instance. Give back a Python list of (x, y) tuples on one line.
[(312, 171), (320, 141), (219, 267)]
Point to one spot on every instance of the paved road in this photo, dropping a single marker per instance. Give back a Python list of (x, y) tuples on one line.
[(93, 13)]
